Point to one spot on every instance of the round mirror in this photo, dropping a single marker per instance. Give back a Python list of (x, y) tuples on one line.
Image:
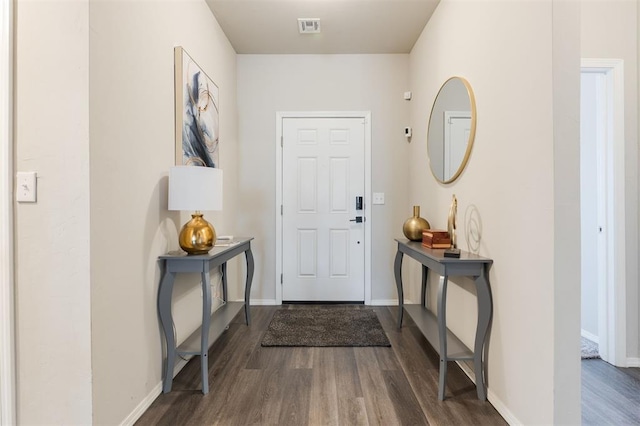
[(452, 127)]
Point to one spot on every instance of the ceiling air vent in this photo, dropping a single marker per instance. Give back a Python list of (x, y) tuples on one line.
[(308, 25)]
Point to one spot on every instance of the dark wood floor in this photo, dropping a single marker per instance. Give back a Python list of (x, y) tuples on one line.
[(252, 385), (610, 395)]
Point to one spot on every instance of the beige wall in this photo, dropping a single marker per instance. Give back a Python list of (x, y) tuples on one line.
[(610, 30), (509, 179), (53, 334), (101, 140), (132, 148), (271, 83)]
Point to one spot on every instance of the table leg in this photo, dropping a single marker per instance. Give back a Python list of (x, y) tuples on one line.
[(223, 272), (204, 337), (164, 310), (442, 333), (247, 286), (485, 311), (423, 293), (397, 270)]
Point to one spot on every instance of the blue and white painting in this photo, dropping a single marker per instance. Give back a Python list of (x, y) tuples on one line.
[(197, 118)]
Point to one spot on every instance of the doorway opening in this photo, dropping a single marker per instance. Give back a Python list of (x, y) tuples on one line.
[(335, 174), (602, 183)]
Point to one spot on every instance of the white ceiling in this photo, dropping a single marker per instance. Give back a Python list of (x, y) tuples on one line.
[(348, 26)]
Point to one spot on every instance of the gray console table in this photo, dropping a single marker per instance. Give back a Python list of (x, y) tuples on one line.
[(213, 325), (448, 346)]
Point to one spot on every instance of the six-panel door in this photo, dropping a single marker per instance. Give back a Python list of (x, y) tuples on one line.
[(323, 245)]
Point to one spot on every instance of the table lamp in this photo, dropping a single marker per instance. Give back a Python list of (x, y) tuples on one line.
[(197, 189)]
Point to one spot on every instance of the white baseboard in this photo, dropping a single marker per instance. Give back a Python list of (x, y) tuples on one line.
[(384, 302), (151, 396), (590, 336), (143, 406), (262, 302), (259, 302), (497, 403), (633, 362)]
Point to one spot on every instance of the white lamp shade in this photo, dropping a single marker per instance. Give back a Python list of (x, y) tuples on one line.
[(195, 188)]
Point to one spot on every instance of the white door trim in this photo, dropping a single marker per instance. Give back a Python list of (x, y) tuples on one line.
[(448, 116), (612, 292), (7, 323), (366, 115)]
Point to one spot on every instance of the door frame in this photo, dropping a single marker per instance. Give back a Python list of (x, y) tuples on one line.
[(612, 312), (366, 115), (7, 319)]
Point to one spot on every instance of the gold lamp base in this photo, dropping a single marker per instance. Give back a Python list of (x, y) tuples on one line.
[(197, 236)]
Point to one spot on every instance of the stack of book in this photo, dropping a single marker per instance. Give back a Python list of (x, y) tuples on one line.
[(436, 239)]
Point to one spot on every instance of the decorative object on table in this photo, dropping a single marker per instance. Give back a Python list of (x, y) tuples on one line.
[(451, 223), (325, 326), (414, 226), (454, 252), (197, 116), (436, 239), (473, 228), (196, 189), (225, 241)]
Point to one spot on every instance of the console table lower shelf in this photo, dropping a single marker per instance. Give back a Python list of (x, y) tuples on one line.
[(218, 323), (427, 323)]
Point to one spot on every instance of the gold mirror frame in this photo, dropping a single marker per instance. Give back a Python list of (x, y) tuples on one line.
[(472, 132)]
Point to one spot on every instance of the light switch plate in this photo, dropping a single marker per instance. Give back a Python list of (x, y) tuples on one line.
[(26, 187), (378, 198)]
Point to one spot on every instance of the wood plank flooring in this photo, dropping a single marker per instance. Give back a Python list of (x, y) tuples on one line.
[(252, 385), (610, 395)]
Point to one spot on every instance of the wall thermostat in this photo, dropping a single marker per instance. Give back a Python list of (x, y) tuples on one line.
[(407, 132)]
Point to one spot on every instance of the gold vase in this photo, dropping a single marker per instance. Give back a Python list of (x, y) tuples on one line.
[(414, 226)]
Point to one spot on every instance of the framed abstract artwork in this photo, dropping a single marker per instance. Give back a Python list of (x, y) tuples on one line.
[(197, 118)]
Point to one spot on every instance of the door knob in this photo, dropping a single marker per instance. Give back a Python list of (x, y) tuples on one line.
[(358, 219)]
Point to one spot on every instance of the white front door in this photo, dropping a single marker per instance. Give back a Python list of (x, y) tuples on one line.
[(322, 176)]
